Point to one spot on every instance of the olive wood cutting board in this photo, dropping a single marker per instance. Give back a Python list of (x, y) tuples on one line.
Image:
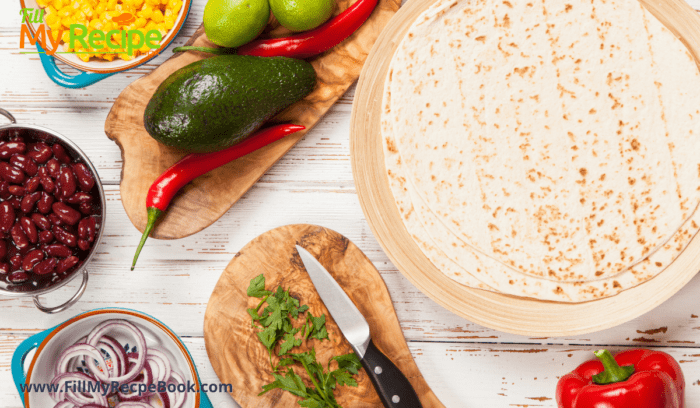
[(238, 356), (208, 197)]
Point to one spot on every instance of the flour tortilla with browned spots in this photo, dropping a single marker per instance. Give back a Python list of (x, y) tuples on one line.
[(556, 139)]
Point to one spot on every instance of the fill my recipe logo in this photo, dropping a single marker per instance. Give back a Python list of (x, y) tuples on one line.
[(82, 39)]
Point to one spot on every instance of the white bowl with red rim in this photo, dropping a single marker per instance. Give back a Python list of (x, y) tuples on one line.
[(35, 359)]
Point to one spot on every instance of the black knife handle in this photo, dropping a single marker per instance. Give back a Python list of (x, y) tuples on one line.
[(392, 386)]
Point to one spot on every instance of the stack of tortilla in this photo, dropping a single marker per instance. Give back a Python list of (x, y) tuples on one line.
[(546, 149)]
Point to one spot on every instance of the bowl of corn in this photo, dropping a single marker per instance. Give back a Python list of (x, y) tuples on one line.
[(102, 37)]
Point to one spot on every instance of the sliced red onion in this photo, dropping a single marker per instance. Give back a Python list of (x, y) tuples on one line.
[(76, 398), (133, 404), (164, 399), (147, 366), (79, 350), (119, 354), (178, 398), (160, 359), (103, 328), (65, 404), (147, 379)]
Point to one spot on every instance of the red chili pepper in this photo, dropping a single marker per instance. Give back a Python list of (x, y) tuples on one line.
[(194, 165), (316, 41), (306, 44), (633, 378)]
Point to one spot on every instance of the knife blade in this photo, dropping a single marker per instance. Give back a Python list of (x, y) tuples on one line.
[(394, 389)]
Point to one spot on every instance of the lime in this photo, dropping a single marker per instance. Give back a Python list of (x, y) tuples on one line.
[(232, 23), (302, 15)]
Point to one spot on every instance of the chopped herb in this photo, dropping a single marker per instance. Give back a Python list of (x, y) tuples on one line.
[(275, 320)]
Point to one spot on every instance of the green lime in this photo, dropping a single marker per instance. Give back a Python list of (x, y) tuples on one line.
[(232, 23), (302, 15)]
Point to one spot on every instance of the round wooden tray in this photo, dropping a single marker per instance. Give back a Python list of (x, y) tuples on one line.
[(502, 312)]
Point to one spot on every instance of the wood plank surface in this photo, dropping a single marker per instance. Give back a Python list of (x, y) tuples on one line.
[(465, 364)]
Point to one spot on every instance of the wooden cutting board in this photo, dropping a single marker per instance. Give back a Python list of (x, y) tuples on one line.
[(208, 197), (240, 359)]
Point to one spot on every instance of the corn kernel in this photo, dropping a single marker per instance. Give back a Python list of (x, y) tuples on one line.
[(169, 22), (157, 16)]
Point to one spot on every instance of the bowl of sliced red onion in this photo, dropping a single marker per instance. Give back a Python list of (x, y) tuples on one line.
[(107, 358)]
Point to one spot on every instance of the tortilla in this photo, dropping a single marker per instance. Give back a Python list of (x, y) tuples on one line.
[(547, 149)]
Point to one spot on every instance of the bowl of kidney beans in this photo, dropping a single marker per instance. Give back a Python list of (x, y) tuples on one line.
[(51, 212)]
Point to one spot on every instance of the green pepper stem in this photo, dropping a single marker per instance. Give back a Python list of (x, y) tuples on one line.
[(612, 372), (217, 51), (153, 214)]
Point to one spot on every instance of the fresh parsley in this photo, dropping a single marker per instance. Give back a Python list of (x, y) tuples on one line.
[(276, 324)]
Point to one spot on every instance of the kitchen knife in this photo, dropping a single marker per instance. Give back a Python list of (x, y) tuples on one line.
[(394, 389)]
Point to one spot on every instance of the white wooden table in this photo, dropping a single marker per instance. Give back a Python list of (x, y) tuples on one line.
[(467, 365)]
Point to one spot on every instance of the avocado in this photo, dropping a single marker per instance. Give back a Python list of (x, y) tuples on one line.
[(217, 102)]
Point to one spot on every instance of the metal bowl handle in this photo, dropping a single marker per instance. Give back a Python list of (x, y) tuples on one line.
[(8, 115), (69, 303)]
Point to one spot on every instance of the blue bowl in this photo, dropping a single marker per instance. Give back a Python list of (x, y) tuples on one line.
[(49, 344), (97, 70)]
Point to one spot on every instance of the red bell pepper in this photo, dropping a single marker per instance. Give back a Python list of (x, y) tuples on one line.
[(633, 378)]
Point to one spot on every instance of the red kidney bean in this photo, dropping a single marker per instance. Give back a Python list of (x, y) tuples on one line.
[(7, 149), (32, 258), (4, 268), (18, 236), (41, 153), (53, 166), (60, 153), (83, 244), (3, 248), (41, 221), (86, 228), (47, 183), (64, 236), (65, 264), (32, 184), (4, 192), (45, 237), (55, 220), (44, 203), (58, 250), (79, 197), (46, 266), (66, 213), (29, 200), (66, 182), (11, 174), (18, 277), (86, 208), (85, 179), (7, 216), (16, 261), (25, 163), (43, 172), (15, 202), (16, 190), (29, 229)]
